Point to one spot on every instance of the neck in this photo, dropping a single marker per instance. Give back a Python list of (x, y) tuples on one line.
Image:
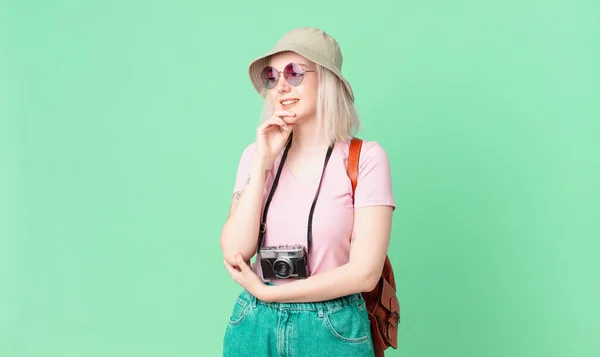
[(309, 138)]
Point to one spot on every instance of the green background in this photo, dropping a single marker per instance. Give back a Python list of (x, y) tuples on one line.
[(122, 123)]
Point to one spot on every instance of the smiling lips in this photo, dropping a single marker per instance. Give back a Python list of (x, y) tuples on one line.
[(288, 103)]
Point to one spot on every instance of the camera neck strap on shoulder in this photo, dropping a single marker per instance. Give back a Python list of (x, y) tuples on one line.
[(263, 224)]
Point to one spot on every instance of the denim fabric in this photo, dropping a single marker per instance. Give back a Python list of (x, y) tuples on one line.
[(338, 327)]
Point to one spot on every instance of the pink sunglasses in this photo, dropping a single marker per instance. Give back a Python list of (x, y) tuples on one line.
[(293, 74)]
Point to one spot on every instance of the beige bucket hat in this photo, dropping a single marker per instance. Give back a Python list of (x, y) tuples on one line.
[(314, 44)]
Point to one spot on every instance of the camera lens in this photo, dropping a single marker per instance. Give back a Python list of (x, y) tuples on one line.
[(283, 268)]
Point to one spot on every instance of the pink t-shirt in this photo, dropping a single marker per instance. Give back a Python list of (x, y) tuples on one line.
[(333, 218)]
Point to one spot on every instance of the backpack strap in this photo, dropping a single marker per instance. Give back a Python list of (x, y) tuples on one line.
[(382, 303), (353, 157)]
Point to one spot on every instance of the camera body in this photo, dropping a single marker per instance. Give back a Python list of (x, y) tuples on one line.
[(284, 262)]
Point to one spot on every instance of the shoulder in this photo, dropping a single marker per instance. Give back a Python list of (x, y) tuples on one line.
[(373, 149), (249, 151), (250, 148), (370, 150), (374, 176), (244, 165)]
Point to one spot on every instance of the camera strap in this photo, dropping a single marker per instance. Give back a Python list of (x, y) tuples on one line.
[(263, 224)]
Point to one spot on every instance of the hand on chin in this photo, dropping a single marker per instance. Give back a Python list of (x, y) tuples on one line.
[(291, 120)]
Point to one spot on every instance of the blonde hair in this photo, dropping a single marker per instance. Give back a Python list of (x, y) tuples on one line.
[(336, 112)]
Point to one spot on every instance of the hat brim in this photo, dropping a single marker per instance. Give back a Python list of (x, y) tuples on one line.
[(257, 65)]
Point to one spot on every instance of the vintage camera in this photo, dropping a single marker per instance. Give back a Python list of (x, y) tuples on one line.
[(284, 261)]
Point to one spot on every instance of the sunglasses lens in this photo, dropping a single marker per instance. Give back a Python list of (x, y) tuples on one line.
[(269, 77), (293, 74)]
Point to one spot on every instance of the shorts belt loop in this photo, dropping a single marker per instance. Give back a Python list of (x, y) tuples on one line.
[(321, 314)]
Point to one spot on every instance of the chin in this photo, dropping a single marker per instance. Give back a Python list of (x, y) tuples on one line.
[(293, 120)]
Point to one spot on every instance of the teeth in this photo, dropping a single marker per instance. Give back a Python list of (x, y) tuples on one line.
[(288, 102)]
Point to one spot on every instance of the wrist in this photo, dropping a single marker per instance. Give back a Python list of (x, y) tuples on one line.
[(265, 293), (261, 166)]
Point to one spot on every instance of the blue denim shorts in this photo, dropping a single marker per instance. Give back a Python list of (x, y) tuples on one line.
[(337, 327)]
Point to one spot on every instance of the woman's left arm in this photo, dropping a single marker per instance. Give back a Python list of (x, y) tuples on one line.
[(368, 249)]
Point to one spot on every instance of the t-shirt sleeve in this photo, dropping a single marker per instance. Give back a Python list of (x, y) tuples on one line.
[(374, 186), (244, 167)]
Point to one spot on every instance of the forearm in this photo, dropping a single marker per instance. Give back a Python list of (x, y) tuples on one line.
[(362, 272), (240, 231), (344, 280)]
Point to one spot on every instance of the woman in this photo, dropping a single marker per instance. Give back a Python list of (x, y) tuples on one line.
[(292, 188)]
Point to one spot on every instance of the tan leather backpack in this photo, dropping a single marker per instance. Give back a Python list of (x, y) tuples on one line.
[(382, 303)]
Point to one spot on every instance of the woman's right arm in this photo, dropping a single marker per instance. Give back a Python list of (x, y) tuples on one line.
[(240, 232)]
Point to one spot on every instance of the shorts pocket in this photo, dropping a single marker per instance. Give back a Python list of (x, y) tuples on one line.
[(241, 308), (347, 324)]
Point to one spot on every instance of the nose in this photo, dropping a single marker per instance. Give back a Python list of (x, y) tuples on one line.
[(282, 85)]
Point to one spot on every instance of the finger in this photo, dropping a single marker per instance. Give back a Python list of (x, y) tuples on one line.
[(240, 262), (287, 128), (275, 121), (276, 128), (279, 121), (230, 268), (284, 113)]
